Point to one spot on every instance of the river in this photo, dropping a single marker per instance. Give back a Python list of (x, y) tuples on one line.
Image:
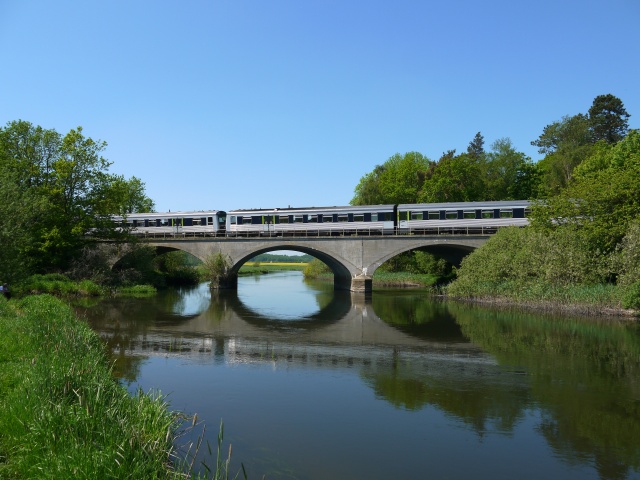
[(316, 384)]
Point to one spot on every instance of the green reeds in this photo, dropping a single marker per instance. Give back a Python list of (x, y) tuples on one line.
[(63, 416)]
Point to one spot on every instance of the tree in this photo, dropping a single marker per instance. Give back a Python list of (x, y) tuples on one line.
[(58, 189), (608, 118), (476, 147), (509, 174), (566, 144), (455, 179), (398, 180), (603, 199)]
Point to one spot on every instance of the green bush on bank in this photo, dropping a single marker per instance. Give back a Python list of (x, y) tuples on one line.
[(62, 415)]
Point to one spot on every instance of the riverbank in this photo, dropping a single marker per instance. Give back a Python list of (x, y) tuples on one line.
[(62, 415), (585, 300)]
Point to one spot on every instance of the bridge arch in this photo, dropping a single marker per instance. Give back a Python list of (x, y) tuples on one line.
[(451, 252), (353, 259)]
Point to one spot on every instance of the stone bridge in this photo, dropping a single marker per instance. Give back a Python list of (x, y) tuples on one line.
[(353, 260)]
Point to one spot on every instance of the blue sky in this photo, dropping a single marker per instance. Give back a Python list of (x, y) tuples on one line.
[(269, 103)]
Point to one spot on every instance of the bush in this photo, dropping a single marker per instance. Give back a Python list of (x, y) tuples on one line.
[(631, 296)]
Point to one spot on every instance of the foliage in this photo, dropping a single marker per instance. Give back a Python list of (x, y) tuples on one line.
[(517, 258), (316, 268), (54, 190), (509, 174), (398, 180), (603, 200), (177, 268), (629, 258), (216, 267), (57, 284), (608, 119)]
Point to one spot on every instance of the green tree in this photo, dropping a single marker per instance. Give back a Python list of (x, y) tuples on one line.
[(476, 147), (608, 118), (57, 190), (603, 200), (455, 178), (565, 144), (398, 180), (509, 174)]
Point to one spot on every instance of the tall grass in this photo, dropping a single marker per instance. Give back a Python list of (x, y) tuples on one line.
[(62, 415)]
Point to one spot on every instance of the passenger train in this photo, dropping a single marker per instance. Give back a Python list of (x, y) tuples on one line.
[(424, 218)]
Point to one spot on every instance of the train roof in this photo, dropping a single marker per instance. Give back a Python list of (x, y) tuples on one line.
[(181, 214), (290, 210), (465, 205)]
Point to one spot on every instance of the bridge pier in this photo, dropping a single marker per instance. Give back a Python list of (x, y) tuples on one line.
[(225, 282), (361, 284)]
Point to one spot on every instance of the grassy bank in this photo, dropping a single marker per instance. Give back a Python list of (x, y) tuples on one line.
[(598, 299), (61, 286), (62, 415)]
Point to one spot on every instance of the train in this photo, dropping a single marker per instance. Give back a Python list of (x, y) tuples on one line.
[(422, 218)]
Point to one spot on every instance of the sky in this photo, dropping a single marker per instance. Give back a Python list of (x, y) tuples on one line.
[(227, 104)]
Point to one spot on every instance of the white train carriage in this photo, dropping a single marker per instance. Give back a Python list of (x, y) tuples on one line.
[(462, 217), (201, 223), (349, 220)]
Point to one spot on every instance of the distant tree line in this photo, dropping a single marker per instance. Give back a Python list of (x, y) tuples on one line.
[(282, 258)]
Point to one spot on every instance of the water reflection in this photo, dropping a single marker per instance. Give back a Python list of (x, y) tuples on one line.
[(570, 382)]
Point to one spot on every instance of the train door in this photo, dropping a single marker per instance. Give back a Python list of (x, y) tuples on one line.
[(176, 225), (403, 220), (268, 224)]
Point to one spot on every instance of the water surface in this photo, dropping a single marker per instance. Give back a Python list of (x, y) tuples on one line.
[(313, 384)]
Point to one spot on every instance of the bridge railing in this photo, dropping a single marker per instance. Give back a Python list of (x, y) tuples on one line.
[(447, 230)]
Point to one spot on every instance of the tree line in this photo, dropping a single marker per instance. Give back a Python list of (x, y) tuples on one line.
[(502, 172), (585, 220)]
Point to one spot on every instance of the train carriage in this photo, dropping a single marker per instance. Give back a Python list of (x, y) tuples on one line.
[(347, 220), (461, 217), (200, 223)]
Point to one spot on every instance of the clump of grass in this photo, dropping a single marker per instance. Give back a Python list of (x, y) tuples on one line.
[(57, 284), (138, 291), (404, 279)]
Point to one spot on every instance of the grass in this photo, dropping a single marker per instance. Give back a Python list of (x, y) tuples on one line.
[(404, 279), (585, 299), (63, 416)]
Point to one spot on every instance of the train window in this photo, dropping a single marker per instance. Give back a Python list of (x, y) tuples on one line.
[(210, 221), (434, 215), (469, 214), (164, 222), (451, 214), (506, 214), (195, 222), (312, 219), (374, 217), (246, 220), (358, 217), (385, 216), (327, 218), (416, 215), (297, 219), (487, 213), (343, 218), (284, 218), (232, 220)]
